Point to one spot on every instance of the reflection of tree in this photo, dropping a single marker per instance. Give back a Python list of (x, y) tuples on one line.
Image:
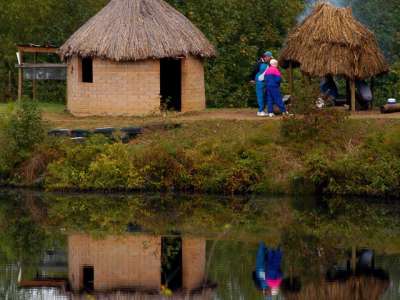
[(318, 239), (22, 241)]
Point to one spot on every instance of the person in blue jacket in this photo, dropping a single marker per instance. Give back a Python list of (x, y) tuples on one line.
[(261, 68)]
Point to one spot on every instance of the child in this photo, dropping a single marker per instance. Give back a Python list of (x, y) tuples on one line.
[(273, 81), (260, 69)]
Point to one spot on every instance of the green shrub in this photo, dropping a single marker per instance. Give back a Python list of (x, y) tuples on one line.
[(20, 132), (113, 169), (372, 169), (316, 127), (71, 171)]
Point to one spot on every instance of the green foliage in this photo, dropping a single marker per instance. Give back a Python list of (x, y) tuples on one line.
[(388, 86), (174, 161), (20, 132), (373, 169), (315, 127), (241, 30), (38, 22)]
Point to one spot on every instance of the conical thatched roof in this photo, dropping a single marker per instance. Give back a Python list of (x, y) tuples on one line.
[(331, 41), (127, 30)]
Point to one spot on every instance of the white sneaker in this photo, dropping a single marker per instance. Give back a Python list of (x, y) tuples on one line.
[(261, 114), (271, 115)]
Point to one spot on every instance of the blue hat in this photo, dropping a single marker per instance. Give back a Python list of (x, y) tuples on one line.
[(268, 54)]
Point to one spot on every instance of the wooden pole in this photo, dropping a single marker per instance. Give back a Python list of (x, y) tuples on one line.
[(291, 86), (9, 83), (20, 78), (34, 79), (373, 91), (353, 95), (354, 259)]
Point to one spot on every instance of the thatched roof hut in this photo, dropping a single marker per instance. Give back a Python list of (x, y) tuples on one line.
[(330, 41), (134, 57), (130, 30)]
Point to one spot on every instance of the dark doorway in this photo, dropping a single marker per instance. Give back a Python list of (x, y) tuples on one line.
[(171, 263), (171, 84), (88, 278)]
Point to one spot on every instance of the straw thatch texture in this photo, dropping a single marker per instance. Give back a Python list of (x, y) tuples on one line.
[(130, 30), (331, 41)]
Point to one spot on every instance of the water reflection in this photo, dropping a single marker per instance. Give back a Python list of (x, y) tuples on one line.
[(150, 247), (128, 266), (356, 278), (268, 274)]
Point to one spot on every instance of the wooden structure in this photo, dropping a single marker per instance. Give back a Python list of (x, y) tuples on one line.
[(331, 42), (35, 50), (390, 108), (151, 58)]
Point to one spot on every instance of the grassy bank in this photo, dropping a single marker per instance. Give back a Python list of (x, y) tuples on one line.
[(321, 152)]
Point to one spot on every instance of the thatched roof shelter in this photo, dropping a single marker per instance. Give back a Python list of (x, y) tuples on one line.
[(332, 42), (131, 30)]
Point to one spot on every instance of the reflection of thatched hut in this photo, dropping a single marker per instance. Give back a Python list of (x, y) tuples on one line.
[(331, 42), (132, 263), (370, 288), (129, 54)]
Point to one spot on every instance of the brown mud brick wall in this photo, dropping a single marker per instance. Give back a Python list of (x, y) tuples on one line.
[(193, 263), (130, 88), (118, 262), (193, 86)]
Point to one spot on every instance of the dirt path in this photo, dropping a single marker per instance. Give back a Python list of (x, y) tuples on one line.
[(65, 120)]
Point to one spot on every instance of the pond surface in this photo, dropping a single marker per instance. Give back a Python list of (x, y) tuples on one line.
[(55, 246)]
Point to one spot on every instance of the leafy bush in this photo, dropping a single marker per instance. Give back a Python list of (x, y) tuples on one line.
[(373, 169), (20, 132), (71, 170), (316, 127)]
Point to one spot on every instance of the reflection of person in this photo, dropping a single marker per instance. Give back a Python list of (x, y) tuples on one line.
[(268, 274), (259, 69)]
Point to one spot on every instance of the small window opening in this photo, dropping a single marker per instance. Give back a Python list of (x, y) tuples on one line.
[(87, 69)]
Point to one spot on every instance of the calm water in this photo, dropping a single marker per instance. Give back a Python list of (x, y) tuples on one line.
[(168, 247)]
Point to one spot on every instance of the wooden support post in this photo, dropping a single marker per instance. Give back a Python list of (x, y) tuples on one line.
[(354, 259), (353, 95), (20, 78), (34, 79), (9, 84), (373, 92), (291, 86)]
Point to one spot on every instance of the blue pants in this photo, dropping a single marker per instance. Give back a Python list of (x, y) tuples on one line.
[(274, 96), (261, 96)]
